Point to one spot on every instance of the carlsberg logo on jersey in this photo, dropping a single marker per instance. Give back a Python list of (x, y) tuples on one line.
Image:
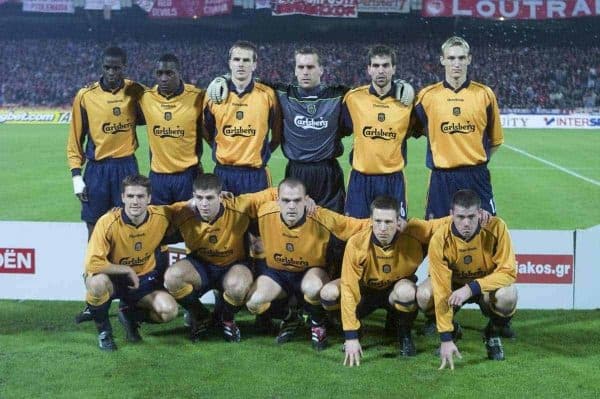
[(134, 261), (233, 131), (284, 260), (305, 123), (457, 127), (375, 134), (163, 132), (114, 128)]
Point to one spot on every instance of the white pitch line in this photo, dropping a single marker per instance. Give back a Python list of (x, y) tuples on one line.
[(552, 164)]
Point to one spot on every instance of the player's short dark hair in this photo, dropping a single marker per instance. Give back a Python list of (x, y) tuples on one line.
[(382, 50), (136, 180), (386, 203), (169, 57), (208, 181), (308, 50), (245, 45), (466, 199), (291, 182), (116, 52)]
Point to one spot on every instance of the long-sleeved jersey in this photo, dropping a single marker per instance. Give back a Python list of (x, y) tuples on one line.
[(306, 244), (238, 129), (174, 126), (380, 126), (222, 241), (311, 122), (104, 121), (116, 240), (461, 125), (368, 265), (486, 262)]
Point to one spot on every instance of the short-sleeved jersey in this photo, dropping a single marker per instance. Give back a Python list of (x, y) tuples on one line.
[(104, 121), (222, 241), (380, 126), (311, 122), (239, 127), (461, 125), (486, 262), (368, 265), (174, 128), (306, 244), (116, 240)]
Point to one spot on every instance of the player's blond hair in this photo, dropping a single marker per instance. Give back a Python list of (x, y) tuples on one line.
[(456, 41)]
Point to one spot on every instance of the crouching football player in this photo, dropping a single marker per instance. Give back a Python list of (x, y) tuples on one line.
[(120, 263), (470, 263)]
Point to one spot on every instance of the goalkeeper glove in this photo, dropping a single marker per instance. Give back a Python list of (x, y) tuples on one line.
[(404, 92), (218, 89), (79, 188)]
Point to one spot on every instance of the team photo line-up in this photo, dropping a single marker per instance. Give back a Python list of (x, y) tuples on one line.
[(307, 246)]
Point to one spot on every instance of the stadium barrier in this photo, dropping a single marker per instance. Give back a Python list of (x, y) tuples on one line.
[(44, 260)]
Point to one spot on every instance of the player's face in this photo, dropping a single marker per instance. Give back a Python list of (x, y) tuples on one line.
[(135, 201), (308, 70), (381, 70), (167, 77), (385, 223), (292, 203), (466, 220), (208, 203), (456, 61), (112, 71), (241, 63)]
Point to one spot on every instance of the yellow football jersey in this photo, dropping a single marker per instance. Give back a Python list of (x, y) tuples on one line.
[(104, 121), (222, 241), (239, 127), (304, 245), (380, 126), (369, 265), (461, 125), (174, 128), (116, 241), (487, 261)]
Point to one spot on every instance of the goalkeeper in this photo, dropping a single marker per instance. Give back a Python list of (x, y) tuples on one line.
[(311, 130)]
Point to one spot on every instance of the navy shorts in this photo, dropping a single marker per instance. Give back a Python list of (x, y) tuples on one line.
[(149, 283), (443, 183), (363, 189), (324, 181), (371, 300), (291, 282), (242, 180), (211, 275), (168, 188), (103, 183)]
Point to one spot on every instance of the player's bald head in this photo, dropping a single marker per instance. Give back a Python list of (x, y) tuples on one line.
[(292, 183)]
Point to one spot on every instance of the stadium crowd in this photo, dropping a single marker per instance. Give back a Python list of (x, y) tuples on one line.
[(48, 72)]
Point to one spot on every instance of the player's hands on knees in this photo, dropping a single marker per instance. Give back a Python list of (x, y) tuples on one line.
[(447, 351), (458, 297), (218, 90), (353, 352), (311, 206), (79, 188), (135, 280), (404, 92)]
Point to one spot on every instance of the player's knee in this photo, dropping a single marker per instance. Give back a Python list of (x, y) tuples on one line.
[(98, 284), (236, 289), (167, 311), (404, 293), (256, 303), (424, 298), (311, 288), (330, 292), (506, 299)]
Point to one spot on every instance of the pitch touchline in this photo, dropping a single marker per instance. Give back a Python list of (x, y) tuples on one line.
[(570, 172)]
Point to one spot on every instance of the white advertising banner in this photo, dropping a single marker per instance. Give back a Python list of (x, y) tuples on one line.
[(549, 121), (587, 295), (49, 6)]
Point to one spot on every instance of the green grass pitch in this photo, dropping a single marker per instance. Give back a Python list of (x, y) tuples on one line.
[(557, 353)]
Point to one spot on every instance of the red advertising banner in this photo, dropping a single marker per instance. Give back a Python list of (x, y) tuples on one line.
[(545, 269), (17, 260), (511, 9), (189, 8), (317, 8)]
